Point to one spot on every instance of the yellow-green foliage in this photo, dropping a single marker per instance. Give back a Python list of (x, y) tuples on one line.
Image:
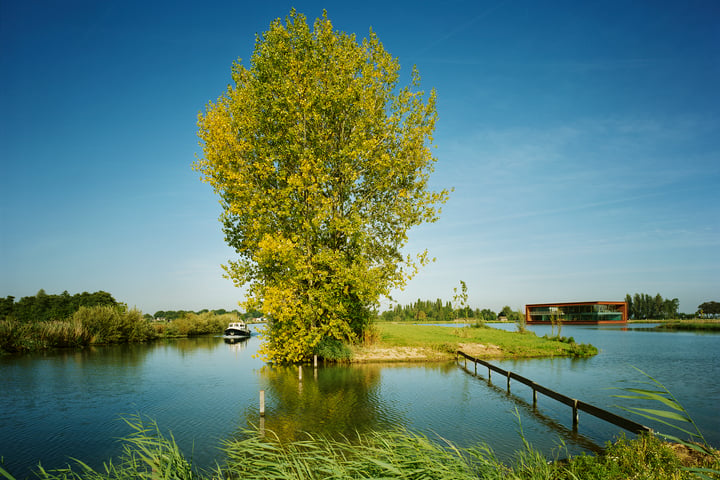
[(322, 162)]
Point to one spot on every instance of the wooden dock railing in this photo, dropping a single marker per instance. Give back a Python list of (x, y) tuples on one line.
[(575, 404)]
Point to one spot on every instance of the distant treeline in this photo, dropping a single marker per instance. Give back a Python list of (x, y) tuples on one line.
[(642, 306), (43, 307), (170, 315), (437, 311)]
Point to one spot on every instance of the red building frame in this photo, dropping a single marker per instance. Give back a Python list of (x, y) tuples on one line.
[(577, 313)]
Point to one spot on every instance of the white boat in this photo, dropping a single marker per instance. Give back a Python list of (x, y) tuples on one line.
[(237, 329)]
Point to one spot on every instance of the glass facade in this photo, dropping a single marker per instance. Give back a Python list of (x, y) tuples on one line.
[(577, 312)]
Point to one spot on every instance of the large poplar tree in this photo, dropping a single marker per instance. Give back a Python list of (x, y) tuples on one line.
[(321, 160)]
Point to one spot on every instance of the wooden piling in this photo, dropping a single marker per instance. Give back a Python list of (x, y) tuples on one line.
[(576, 415), (262, 403)]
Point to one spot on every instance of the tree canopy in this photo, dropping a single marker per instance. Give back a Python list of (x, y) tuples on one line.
[(709, 309), (44, 307), (321, 161)]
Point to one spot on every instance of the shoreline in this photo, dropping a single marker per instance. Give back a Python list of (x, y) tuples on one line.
[(416, 354)]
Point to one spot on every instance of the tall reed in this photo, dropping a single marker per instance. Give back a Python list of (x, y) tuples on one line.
[(191, 324), (89, 325), (147, 454), (107, 324), (63, 334), (675, 416)]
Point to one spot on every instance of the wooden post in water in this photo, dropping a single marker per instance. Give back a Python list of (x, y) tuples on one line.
[(475, 362), (534, 396), (576, 415), (489, 375), (508, 381), (315, 361), (262, 403)]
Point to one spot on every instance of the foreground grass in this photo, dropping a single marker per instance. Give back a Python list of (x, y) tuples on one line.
[(395, 454), (443, 342)]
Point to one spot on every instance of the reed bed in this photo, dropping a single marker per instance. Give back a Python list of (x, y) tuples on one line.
[(103, 325), (87, 326), (191, 324)]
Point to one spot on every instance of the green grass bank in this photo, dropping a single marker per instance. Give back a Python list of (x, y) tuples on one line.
[(691, 325)]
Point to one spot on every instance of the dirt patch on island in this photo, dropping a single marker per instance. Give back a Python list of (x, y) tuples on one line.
[(373, 354), (397, 354)]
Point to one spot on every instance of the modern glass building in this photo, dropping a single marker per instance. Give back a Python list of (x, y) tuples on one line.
[(577, 312)]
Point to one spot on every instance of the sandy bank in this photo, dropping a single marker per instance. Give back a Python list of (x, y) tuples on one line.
[(373, 354)]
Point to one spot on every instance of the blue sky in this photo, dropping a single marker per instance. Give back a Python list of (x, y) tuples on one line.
[(582, 140)]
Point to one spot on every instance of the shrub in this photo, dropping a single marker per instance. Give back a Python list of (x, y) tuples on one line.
[(16, 336), (333, 350), (371, 334)]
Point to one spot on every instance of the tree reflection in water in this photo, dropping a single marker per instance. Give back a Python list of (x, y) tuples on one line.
[(334, 401)]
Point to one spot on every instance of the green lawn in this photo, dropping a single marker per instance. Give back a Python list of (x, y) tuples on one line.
[(511, 344)]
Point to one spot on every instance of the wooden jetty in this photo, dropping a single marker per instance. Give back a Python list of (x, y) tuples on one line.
[(576, 405)]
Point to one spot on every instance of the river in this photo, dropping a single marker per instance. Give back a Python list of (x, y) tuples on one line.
[(69, 404)]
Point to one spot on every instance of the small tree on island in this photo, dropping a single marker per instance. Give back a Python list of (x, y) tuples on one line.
[(322, 163), (460, 300)]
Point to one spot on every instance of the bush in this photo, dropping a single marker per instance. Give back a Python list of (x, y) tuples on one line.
[(371, 334), (446, 347), (16, 336), (333, 350)]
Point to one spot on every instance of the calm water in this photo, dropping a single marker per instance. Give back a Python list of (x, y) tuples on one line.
[(54, 406)]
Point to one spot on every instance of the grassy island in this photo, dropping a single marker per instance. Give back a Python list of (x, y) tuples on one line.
[(412, 342)]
